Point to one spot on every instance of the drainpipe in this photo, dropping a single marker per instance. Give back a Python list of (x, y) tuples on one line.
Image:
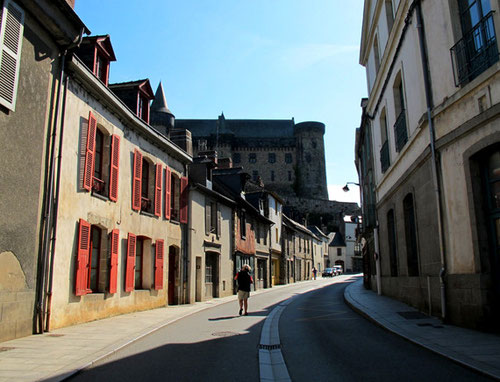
[(435, 159), (51, 199)]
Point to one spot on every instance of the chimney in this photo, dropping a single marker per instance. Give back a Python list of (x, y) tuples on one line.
[(225, 163), (182, 138), (210, 154)]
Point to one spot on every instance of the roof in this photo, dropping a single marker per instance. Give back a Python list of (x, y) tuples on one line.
[(160, 102), (104, 42), (143, 85), (244, 128), (337, 241), (317, 231)]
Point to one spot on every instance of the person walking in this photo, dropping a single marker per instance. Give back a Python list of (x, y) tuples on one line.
[(314, 272), (244, 280)]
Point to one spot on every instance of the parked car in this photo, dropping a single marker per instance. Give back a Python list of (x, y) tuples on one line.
[(338, 269), (329, 272)]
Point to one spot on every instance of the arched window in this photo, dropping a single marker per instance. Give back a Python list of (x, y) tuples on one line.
[(400, 129)]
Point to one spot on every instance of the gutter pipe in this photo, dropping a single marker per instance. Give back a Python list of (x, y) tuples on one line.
[(51, 202), (434, 154)]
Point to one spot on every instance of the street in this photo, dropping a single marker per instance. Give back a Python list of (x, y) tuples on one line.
[(321, 339)]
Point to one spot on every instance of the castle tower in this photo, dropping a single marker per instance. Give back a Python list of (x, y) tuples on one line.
[(161, 117), (311, 170)]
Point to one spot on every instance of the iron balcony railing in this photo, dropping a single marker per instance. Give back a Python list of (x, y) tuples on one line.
[(475, 52), (400, 131), (385, 160)]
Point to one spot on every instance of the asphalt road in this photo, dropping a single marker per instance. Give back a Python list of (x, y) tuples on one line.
[(322, 340)]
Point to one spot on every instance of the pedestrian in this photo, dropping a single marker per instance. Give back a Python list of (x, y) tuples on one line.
[(244, 280), (314, 272)]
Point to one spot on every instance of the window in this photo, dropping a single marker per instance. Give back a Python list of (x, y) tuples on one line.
[(376, 54), (411, 236), (208, 273), (271, 158), (289, 176), (288, 158), (141, 267), (236, 158), (98, 182), (392, 240), (389, 14), (252, 158), (174, 197), (91, 261), (243, 225), (101, 68), (255, 175), (477, 50), (145, 201), (277, 236), (12, 18), (95, 258), (212, 218), (400, 131), (143, 107), (272, 175), (339, 251), (101, 161), (139, 257), (385, 161)]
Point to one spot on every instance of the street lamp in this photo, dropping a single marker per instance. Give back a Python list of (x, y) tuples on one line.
[(346, 188)]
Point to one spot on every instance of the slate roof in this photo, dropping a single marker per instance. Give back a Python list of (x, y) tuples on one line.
[(242, 128), (337, 241)]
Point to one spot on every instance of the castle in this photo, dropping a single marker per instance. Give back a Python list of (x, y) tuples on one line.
[(287, 157)]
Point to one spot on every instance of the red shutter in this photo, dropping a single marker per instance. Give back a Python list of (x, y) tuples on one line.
[(114, 168), (159, 265), (82, 259), (137, 181), (113, 272), (168, 175), (130, 270), (159, 171), (184, 200), (88, 174)]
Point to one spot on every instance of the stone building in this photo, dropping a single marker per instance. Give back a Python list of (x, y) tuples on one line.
[(210, 241), (33, 57), (432, 124)]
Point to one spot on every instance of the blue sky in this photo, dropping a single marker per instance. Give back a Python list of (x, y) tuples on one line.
[(256, 59)]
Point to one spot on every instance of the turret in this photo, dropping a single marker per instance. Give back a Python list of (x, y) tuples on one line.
[(311, 171), (162, 118)]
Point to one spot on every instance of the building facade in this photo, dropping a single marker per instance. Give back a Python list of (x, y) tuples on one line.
[(432, 116), (33, 55)]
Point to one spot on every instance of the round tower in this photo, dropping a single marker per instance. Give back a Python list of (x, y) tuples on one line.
[(311, 168), (161, 118)]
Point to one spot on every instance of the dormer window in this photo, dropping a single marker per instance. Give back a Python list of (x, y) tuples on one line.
[(101, 68), (97, 53), (137, 95), (143, 107)]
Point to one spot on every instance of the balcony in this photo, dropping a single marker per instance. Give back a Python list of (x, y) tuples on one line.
[(400, 131), (475, 52), (385, 161), (146, 205), (98, 186)]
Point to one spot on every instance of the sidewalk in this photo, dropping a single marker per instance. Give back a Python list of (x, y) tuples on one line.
[(63, 352), (476, 350)]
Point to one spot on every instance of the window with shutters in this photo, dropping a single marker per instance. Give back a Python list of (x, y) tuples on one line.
[(147, 186), (11, 37), (92, 259), (101, 161), (175, 190), (212, 217), (140, 264)]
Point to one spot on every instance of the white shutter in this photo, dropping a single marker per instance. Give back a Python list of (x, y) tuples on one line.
[(11, 37)]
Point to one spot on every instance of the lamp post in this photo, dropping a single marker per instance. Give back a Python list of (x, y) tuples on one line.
[(346, 187)]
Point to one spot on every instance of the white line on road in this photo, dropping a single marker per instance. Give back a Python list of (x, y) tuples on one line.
[(271, 363)]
